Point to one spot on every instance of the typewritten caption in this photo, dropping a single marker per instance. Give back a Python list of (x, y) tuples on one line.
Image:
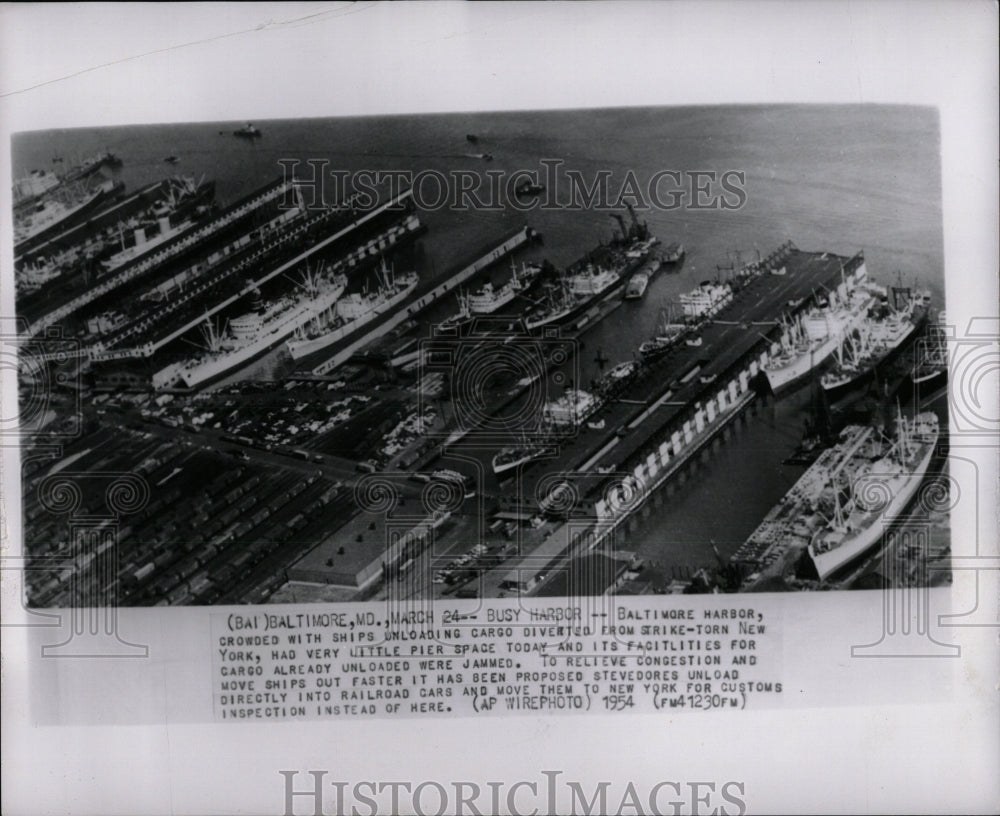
[(282, 665)]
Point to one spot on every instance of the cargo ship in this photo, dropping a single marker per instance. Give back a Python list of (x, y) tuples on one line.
[(488, 300), (572, 409), (705, 300), (815, 336), (930, 367), (90, 166), (525, 451), (48, 215), (880, 493), (559, 305), (351, 312), (668, 335), (617, 379), (592, 281), (785, 532), (112, 228), (252, 334), (873, 344), (166, 219)]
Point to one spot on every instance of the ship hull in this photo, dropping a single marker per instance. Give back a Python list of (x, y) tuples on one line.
[(827, 563), (70, 218), (783, 377), (303, 348), (500, 469), (786, 376), (203, 374), (865, 376)]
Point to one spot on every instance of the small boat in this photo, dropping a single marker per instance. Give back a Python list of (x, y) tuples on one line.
[(247, 132), (171, 160), (637, 286), (472, 137), (673, 253), (528, 188)]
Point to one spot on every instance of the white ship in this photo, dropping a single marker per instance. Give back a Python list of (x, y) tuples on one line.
[(487, 299), (874, 342), (36, 184), (511, 457), (593, 280), (351, 312), (705, 300), (571, 409), (459, 318), (815, 336), (256, 332), (880, 493), (50, 213), (619, 376)]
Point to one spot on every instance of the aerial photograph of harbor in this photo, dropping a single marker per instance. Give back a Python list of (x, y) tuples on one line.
[(482, 355)]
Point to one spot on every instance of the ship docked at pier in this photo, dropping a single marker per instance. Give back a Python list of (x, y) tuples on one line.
[(668, 334), (875, 343), (351, 312), (639, 282), (512, 456), (250, 335), (489, 299), (812, 338), (881, 491)]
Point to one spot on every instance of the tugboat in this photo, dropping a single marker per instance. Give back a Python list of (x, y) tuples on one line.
[(247, 132)]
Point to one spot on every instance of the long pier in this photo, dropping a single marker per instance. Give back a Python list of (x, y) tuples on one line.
[(101, 352), (691, 395), (407, 312), (172, 249)]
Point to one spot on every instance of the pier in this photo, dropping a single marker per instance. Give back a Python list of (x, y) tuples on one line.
[(411, 309)]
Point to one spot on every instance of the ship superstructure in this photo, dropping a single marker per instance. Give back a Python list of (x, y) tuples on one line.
[(705, 300), (791, 524), (351, 312), (812, 338), (252, 333), (875, 342), (571, 409), (668, 334)]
